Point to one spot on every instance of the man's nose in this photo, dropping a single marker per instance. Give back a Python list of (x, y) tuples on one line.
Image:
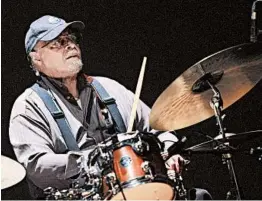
[(70, 45)]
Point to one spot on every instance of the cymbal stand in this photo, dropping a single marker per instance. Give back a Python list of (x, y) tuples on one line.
[(216, 104)]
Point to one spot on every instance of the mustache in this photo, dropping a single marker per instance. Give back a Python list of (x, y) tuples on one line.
[(72, 54)]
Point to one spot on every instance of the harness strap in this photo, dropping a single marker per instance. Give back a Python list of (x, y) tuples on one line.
[(111, 105), (57, 113)]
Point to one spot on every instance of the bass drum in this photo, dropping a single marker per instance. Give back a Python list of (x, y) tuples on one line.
[(139, 171)]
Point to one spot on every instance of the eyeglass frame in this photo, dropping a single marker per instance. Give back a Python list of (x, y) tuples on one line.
[(73, 37)]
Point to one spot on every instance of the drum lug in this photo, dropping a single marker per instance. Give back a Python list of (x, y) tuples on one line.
[(111, 178), (111, 182), (140, 147), (164, 155), (147, 169)]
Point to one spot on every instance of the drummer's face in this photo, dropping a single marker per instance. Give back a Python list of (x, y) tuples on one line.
[(59, 58)]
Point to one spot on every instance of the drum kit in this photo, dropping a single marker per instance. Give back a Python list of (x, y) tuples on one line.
[(133, 167), (130, 166)]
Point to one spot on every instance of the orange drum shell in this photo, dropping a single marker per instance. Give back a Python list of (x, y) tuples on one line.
[(127, 164)]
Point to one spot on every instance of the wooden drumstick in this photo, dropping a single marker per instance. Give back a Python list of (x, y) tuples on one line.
[(137, 95)]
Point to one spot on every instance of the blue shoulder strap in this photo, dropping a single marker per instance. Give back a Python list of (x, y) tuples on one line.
[(111, 105), (58, 115)]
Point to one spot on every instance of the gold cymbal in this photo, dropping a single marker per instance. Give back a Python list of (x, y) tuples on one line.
[(11, 172), (186, 101)]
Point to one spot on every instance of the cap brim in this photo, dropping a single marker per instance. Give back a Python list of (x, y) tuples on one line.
[(78, 25)]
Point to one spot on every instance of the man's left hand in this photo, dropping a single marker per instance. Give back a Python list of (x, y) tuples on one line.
[(176, 163)]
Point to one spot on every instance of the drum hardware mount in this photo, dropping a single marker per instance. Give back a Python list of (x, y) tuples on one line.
[(85, 186), (92, 175), (179, 185), (92, 179), (105, 157), (216, 104), (112, 183), (70, 194), (254, 31)]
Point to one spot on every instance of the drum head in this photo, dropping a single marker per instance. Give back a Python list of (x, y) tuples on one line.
[(148, 191)]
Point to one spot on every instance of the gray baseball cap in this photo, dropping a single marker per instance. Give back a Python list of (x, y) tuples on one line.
[(47, 28)]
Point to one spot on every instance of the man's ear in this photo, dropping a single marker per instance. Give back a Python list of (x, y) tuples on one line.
[(35, 58), (35, 62)]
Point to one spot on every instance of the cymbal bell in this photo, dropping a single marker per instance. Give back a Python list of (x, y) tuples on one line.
[(11, 172), (186, 101), (236, 139)]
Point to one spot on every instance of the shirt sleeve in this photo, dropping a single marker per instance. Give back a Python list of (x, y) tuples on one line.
[(33, 145)]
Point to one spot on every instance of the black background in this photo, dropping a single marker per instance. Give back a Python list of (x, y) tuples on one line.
[(173, 35)]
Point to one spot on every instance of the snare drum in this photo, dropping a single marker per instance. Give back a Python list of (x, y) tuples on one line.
[(139, 171)]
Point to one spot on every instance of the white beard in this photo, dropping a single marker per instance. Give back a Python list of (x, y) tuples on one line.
[(75, 66)]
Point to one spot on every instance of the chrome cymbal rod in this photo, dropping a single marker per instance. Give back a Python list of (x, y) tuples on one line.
[(217, 104)]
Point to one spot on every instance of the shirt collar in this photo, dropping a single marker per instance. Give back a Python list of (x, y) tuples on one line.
[(58, 84)]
